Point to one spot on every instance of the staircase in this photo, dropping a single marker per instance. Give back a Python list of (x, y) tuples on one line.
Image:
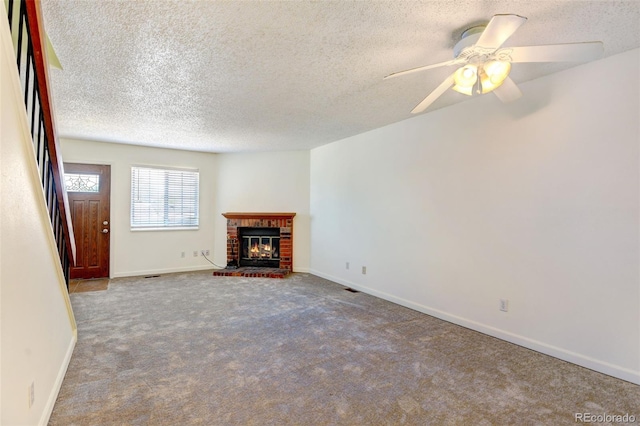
[(25, 21)]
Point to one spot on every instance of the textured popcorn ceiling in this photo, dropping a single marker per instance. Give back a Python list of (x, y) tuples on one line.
[(223, 76)]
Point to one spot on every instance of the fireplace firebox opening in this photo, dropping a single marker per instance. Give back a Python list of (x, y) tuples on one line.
[(259, 247)]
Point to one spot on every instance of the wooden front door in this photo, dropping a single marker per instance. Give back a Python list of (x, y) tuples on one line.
[(88, 189)]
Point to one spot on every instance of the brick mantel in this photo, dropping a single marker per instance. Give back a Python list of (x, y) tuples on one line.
[(284, 221)]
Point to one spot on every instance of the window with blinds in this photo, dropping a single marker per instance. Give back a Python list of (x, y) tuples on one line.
[(164, 198)]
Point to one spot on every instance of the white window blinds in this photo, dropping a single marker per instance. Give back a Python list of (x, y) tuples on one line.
[(164, 198)]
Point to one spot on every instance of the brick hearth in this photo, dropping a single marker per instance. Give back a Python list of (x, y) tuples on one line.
[(284, 221), (249, 271)]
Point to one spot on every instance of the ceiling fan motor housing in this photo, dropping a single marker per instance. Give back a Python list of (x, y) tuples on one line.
[(469, 37)]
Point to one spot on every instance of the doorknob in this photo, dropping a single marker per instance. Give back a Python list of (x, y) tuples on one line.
[(105, 231), (105, 223)]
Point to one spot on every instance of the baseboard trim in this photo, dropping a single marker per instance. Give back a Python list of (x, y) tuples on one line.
[(57, 385), (538, 346), (162, 271), (185, 269)]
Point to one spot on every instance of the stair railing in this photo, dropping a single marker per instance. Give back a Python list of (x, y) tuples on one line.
[(25, 21)]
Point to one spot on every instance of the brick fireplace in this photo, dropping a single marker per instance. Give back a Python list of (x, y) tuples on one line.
[(278, 225)]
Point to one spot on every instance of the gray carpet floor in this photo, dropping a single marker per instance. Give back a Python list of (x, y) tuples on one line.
[(196, 349)]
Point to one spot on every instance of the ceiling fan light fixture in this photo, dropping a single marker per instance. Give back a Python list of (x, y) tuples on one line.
[(464, 90), (465, 78), (493, 74)]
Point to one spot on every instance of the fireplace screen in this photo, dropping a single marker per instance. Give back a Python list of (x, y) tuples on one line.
[(260, 248)]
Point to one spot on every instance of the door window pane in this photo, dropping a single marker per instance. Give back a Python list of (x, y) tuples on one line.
[(81, 182)]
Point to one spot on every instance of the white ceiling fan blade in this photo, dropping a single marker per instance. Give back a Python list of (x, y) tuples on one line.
[(426, 67), (557, 52), (508, 91), (438, 91), (499, 29)]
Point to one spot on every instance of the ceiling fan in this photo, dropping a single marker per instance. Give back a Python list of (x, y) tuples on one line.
[(484, 66)]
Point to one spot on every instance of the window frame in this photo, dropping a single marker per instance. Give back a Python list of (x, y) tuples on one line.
[(150, 225)]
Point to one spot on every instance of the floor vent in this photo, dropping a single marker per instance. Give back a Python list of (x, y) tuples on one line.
[(152, 276), (351, 290)]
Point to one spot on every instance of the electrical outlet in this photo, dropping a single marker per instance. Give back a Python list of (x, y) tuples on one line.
[(504, 305), (195, 253), (201, 252), (347, 265), (32, 393), (364, 270), (206, 252), (183, 254)]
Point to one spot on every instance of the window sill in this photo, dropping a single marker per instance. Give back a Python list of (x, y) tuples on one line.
[(177, 228)]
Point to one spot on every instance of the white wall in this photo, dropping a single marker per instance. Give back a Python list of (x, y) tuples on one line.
[(148, 252), (536, 202), (265, 182), (37, 329)]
